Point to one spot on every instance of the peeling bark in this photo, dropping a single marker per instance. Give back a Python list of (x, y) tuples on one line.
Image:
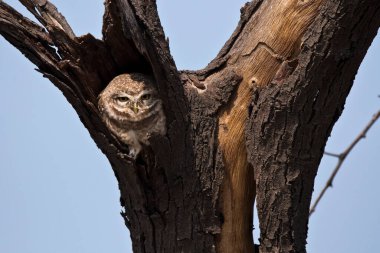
[(254, 122)]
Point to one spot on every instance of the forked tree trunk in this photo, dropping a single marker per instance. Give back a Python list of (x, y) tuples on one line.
[(254, 122)]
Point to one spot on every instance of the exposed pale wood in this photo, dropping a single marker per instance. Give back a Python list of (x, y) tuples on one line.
[(265, 43)]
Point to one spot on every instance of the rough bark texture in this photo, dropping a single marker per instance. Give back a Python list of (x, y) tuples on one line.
[(256, 119)]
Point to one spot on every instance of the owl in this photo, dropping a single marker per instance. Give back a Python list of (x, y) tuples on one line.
[(132, 111)]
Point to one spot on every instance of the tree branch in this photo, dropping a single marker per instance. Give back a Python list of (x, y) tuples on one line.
[(80, 68), (48, 15), (341, 158), (32, 40)]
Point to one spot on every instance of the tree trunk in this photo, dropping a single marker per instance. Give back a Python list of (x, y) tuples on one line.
[(253, 123)]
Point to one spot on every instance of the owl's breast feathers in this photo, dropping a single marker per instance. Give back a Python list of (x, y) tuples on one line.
[(154, 124)]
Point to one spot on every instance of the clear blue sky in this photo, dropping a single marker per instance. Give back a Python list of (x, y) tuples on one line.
[(58, 193)]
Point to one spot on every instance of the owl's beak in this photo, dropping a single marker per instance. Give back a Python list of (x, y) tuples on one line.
[(135, 107)]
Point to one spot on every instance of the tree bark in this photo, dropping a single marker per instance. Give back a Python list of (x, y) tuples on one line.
[(254, 122)]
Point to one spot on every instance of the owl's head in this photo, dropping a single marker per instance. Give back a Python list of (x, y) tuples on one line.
[(129, 98)]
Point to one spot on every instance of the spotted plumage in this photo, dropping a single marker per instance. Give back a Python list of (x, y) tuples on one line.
[(132, 110)]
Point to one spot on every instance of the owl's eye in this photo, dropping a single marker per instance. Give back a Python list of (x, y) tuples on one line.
[(146, 97), (122, 99)]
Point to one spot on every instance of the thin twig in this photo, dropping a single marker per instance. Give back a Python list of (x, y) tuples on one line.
[(341, 157), (332, 154)]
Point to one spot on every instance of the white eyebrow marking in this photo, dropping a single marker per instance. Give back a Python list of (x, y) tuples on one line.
[(124, 94)]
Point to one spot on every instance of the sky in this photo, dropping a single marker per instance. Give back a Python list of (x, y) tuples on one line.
[(58, 192)]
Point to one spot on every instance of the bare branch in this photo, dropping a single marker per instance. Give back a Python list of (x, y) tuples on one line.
[(341, 158), (332, 154), (79, 68), (48, 15), (31, 39), (55, 23)]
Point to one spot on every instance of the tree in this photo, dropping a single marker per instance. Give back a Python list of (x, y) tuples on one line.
[(288, 104)]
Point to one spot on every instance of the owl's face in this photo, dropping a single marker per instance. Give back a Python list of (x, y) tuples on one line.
[(134, 104), (129, 98)]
